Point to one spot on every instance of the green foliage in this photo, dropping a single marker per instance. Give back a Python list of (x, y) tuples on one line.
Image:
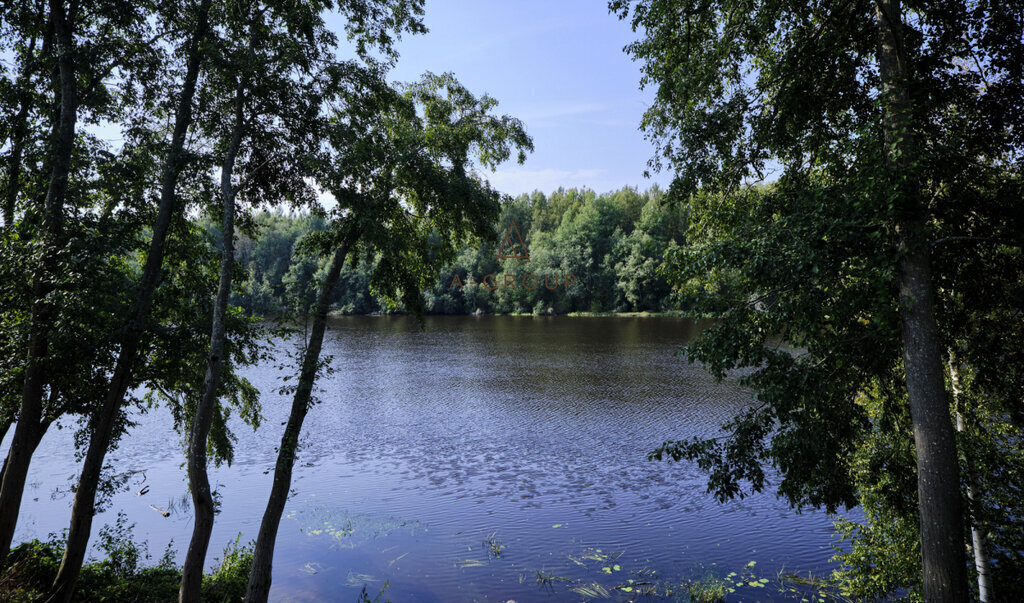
[(31, 567), (492, 544), (802, 274), (711, 588), (620, 257), (122, 553), (766, 263), (708, 590), (179, 344), (228, 580), (121, 575), (380, 597), (882, 555)]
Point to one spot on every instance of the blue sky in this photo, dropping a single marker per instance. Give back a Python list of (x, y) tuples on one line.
[(559, 66)]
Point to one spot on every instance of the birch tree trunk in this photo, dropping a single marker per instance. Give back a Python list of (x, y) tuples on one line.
[(978, 545), (199, 482)]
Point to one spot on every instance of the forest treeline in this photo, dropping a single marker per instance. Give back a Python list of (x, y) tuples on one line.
[(610, 245)]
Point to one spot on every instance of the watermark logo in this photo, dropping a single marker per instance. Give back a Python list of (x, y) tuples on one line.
[(513, 247), (509, 249)]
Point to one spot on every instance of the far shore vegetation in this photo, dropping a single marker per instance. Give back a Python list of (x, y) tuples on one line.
[(612, 244)]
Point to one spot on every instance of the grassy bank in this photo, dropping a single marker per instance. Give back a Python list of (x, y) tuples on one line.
[(125, 574)]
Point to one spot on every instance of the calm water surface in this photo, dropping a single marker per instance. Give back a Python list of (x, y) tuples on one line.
[(530, 432)]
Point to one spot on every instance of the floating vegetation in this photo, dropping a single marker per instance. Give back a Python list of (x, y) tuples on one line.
[(548, 580), (808, 588), (591, 554), (492, 544), (711, 588), (647, 589), (348, 530), (364, 597), (591, 591), (461, 563), (356, 580)]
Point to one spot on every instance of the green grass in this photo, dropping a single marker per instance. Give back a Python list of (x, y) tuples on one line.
[(708, 590), (122, 575)]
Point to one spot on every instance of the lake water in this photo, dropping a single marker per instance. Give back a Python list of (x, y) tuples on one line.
[(526, 432)]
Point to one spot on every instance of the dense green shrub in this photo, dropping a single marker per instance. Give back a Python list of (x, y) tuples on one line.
[(122, 574)]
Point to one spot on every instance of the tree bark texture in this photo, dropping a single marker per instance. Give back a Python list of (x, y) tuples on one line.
[(943, 571)]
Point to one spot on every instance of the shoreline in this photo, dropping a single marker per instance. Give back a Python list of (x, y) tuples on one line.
[(669, 314)]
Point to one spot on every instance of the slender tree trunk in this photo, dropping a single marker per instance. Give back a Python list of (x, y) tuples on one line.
[(944, 576), (199, 482), (259, 577), (37, 435), (978, 545), (3, 434), (103, 421), (27, 430)]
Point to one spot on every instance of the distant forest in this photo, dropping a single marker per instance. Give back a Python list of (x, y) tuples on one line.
[(612, 244)]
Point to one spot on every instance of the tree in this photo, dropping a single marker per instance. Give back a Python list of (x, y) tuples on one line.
[(402, 169), (47, 185), (837, 255), (269, 81), (279, 85), (29, 426), (104, 420), (638, 257)]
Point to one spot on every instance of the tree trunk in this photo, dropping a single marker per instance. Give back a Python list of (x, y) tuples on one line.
[(978, 545), (199, 483), (105, 418), (943, 571), (3, 434), (33, 444), (26, 432), (259, 577)]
